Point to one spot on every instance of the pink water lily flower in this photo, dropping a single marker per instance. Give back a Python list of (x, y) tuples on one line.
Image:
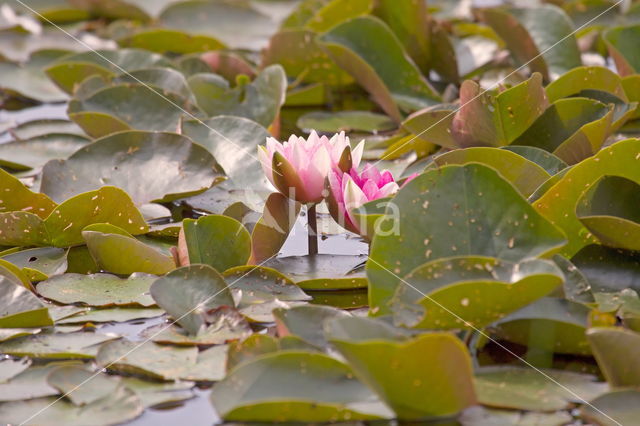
[(299, 167), (348, 191)]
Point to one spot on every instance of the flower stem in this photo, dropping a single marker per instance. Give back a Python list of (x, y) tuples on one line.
[(312, 229)]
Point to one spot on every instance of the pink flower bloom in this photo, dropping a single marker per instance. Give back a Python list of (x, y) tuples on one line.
[(299, 167), (348, 191)]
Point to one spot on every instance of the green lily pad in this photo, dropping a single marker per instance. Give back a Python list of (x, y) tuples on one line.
[(70, 70), (540, 37), (35, 152), (120, 406), (68, 379), (564, 324), (384, 70), (433, 125), (78, 345), (220, 20), (471, 291), (586, 78), (233, 141), (621, 43), (544, 159), (161, 40), (12, 367), (112, 315), (22, 199), (409, 376), (39, 263), (306, 322), (187, 168), (479, 415), (322, 271), (272, 229), (524, 174), (154, 394), (486, 119), (191, 294), (299, 53), (608, 269), (607, 210), (259, 100), (218, 241), (454, 211), (523, 388), (294, 386), (558, 203), (226, 326), (12, 333), (165, 80), (124, 254), (98, 289), (29, 79), (614, 348), (343, 299), (32, 382), (347, 121), (261, 284), (147, 358), (576, 287), (614, 408), (572, 129), (34, 128), (21, 308)]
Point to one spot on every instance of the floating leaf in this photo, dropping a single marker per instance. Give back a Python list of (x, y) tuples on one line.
[(608, 269), (12, 367), (294, 386), (20, 308), (433, 125), (454, 211), (527, 389), (22, 199), (272, 229), (471, 291), (306, 322), (410, 376), (558, 203), (541, 37), (260, 284), (233, 141), (154, 394), (259, 100), (586, 78), (123, 254), (525, 175), (347, 121), (189, 293), (613, 408), (614, 348), (564, 324), (35, 152), (400, 86), (186, 168), (40, 263), (572, 129), (31, 383), (621, 42), (98, 289), (544, 159), (68, 379), (79, 345), (219, 241), (322, 272), (29, 79), (607, 211), (163, 40)]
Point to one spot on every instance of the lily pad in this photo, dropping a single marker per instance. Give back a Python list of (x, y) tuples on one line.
[(620, 43), (524, 174), (586, 78), (95, 386), (384, 70), (614, 408), (218, 241), (29, 79), (306, 322), (35, 152), (608, 269), (78, 345), (294, 386), (259, 100), (454, 211), (20, 308), (12, 367), (607, 210), (471, 291), (98, 289), (124, 254), (549, 162), (23, 199), (39, 263), (154, 394), (187, 168), (162, 40), (233, 141), (347, 121), (558, 203), (572, 129), (272, 229), (189, 293), (322, 271), (32, 383), (613, 348), (112, 315), (409, 377), (523, 388), (261, 284)]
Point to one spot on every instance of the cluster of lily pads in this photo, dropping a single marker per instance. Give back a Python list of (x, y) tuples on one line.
[(143, 234)]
